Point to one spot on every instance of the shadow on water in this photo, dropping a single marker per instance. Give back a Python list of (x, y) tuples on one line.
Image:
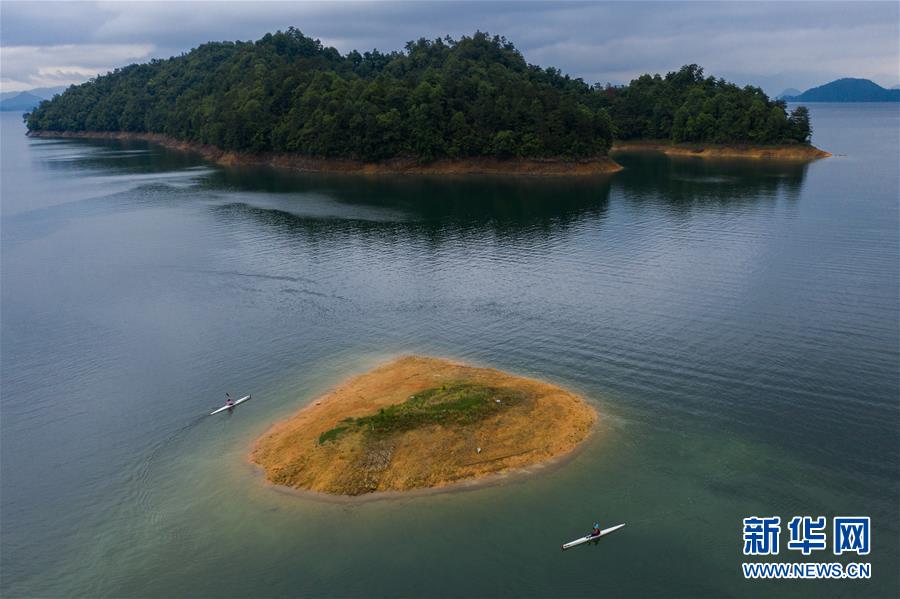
[(429, 208), (459, 203), (680, 179), (435, 209), (123, 157), (687, 183), (473, 198)]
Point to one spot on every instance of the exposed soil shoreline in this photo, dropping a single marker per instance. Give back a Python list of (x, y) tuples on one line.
[(486, 166), (481, 166), (795, 152), (334, 447)]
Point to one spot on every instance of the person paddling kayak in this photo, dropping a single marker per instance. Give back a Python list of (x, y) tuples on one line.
[(593, 537), (230, 404)]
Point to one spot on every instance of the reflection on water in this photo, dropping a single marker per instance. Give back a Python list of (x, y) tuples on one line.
[(689, 182), (120, 157), (734, 322), (524, 201)]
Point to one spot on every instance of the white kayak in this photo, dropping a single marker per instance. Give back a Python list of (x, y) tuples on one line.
[(223, 408), (589, 538)]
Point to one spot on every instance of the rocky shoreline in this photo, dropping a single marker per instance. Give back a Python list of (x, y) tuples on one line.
[(480, 166), (793, 152)]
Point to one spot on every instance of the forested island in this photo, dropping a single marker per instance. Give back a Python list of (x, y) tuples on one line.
[(287, 99)]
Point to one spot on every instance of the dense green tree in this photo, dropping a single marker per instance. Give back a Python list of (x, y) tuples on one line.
[(440, 98), (684, 106), (800, 122)]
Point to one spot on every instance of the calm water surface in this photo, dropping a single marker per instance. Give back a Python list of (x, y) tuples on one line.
[(736, 324)]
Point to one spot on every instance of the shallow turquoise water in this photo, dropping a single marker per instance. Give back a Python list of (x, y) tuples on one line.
[(735, 323)]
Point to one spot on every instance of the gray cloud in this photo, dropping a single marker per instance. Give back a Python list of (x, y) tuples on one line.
[(774, 45), (25, 67)]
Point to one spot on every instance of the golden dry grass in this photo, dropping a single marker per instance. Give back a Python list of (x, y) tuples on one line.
[(547, 422)]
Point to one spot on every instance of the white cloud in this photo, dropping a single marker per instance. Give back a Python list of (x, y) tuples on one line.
[(26, 67)]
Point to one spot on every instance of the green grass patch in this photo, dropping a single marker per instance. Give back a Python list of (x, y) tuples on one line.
[(331, 435), (453, 403)]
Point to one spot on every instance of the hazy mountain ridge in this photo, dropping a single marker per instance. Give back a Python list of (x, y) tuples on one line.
[(788, 93), (28, 99), (847, 89), (24, 101)]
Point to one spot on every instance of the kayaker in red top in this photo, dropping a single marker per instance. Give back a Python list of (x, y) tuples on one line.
[(228, 401), (596, 531)]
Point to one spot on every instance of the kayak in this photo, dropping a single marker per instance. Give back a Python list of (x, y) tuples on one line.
[(589, 538), (223, 408)]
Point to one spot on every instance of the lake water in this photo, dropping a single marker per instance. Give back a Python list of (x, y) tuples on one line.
[(735, 323)]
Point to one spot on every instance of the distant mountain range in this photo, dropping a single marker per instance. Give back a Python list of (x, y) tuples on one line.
[(26, 100), (845, 90), (23, 102), (788, 93)]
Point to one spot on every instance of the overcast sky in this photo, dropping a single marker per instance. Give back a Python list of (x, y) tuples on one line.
[(773, 45)]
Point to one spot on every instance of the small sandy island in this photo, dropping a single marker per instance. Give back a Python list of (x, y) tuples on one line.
[(420, 422)]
